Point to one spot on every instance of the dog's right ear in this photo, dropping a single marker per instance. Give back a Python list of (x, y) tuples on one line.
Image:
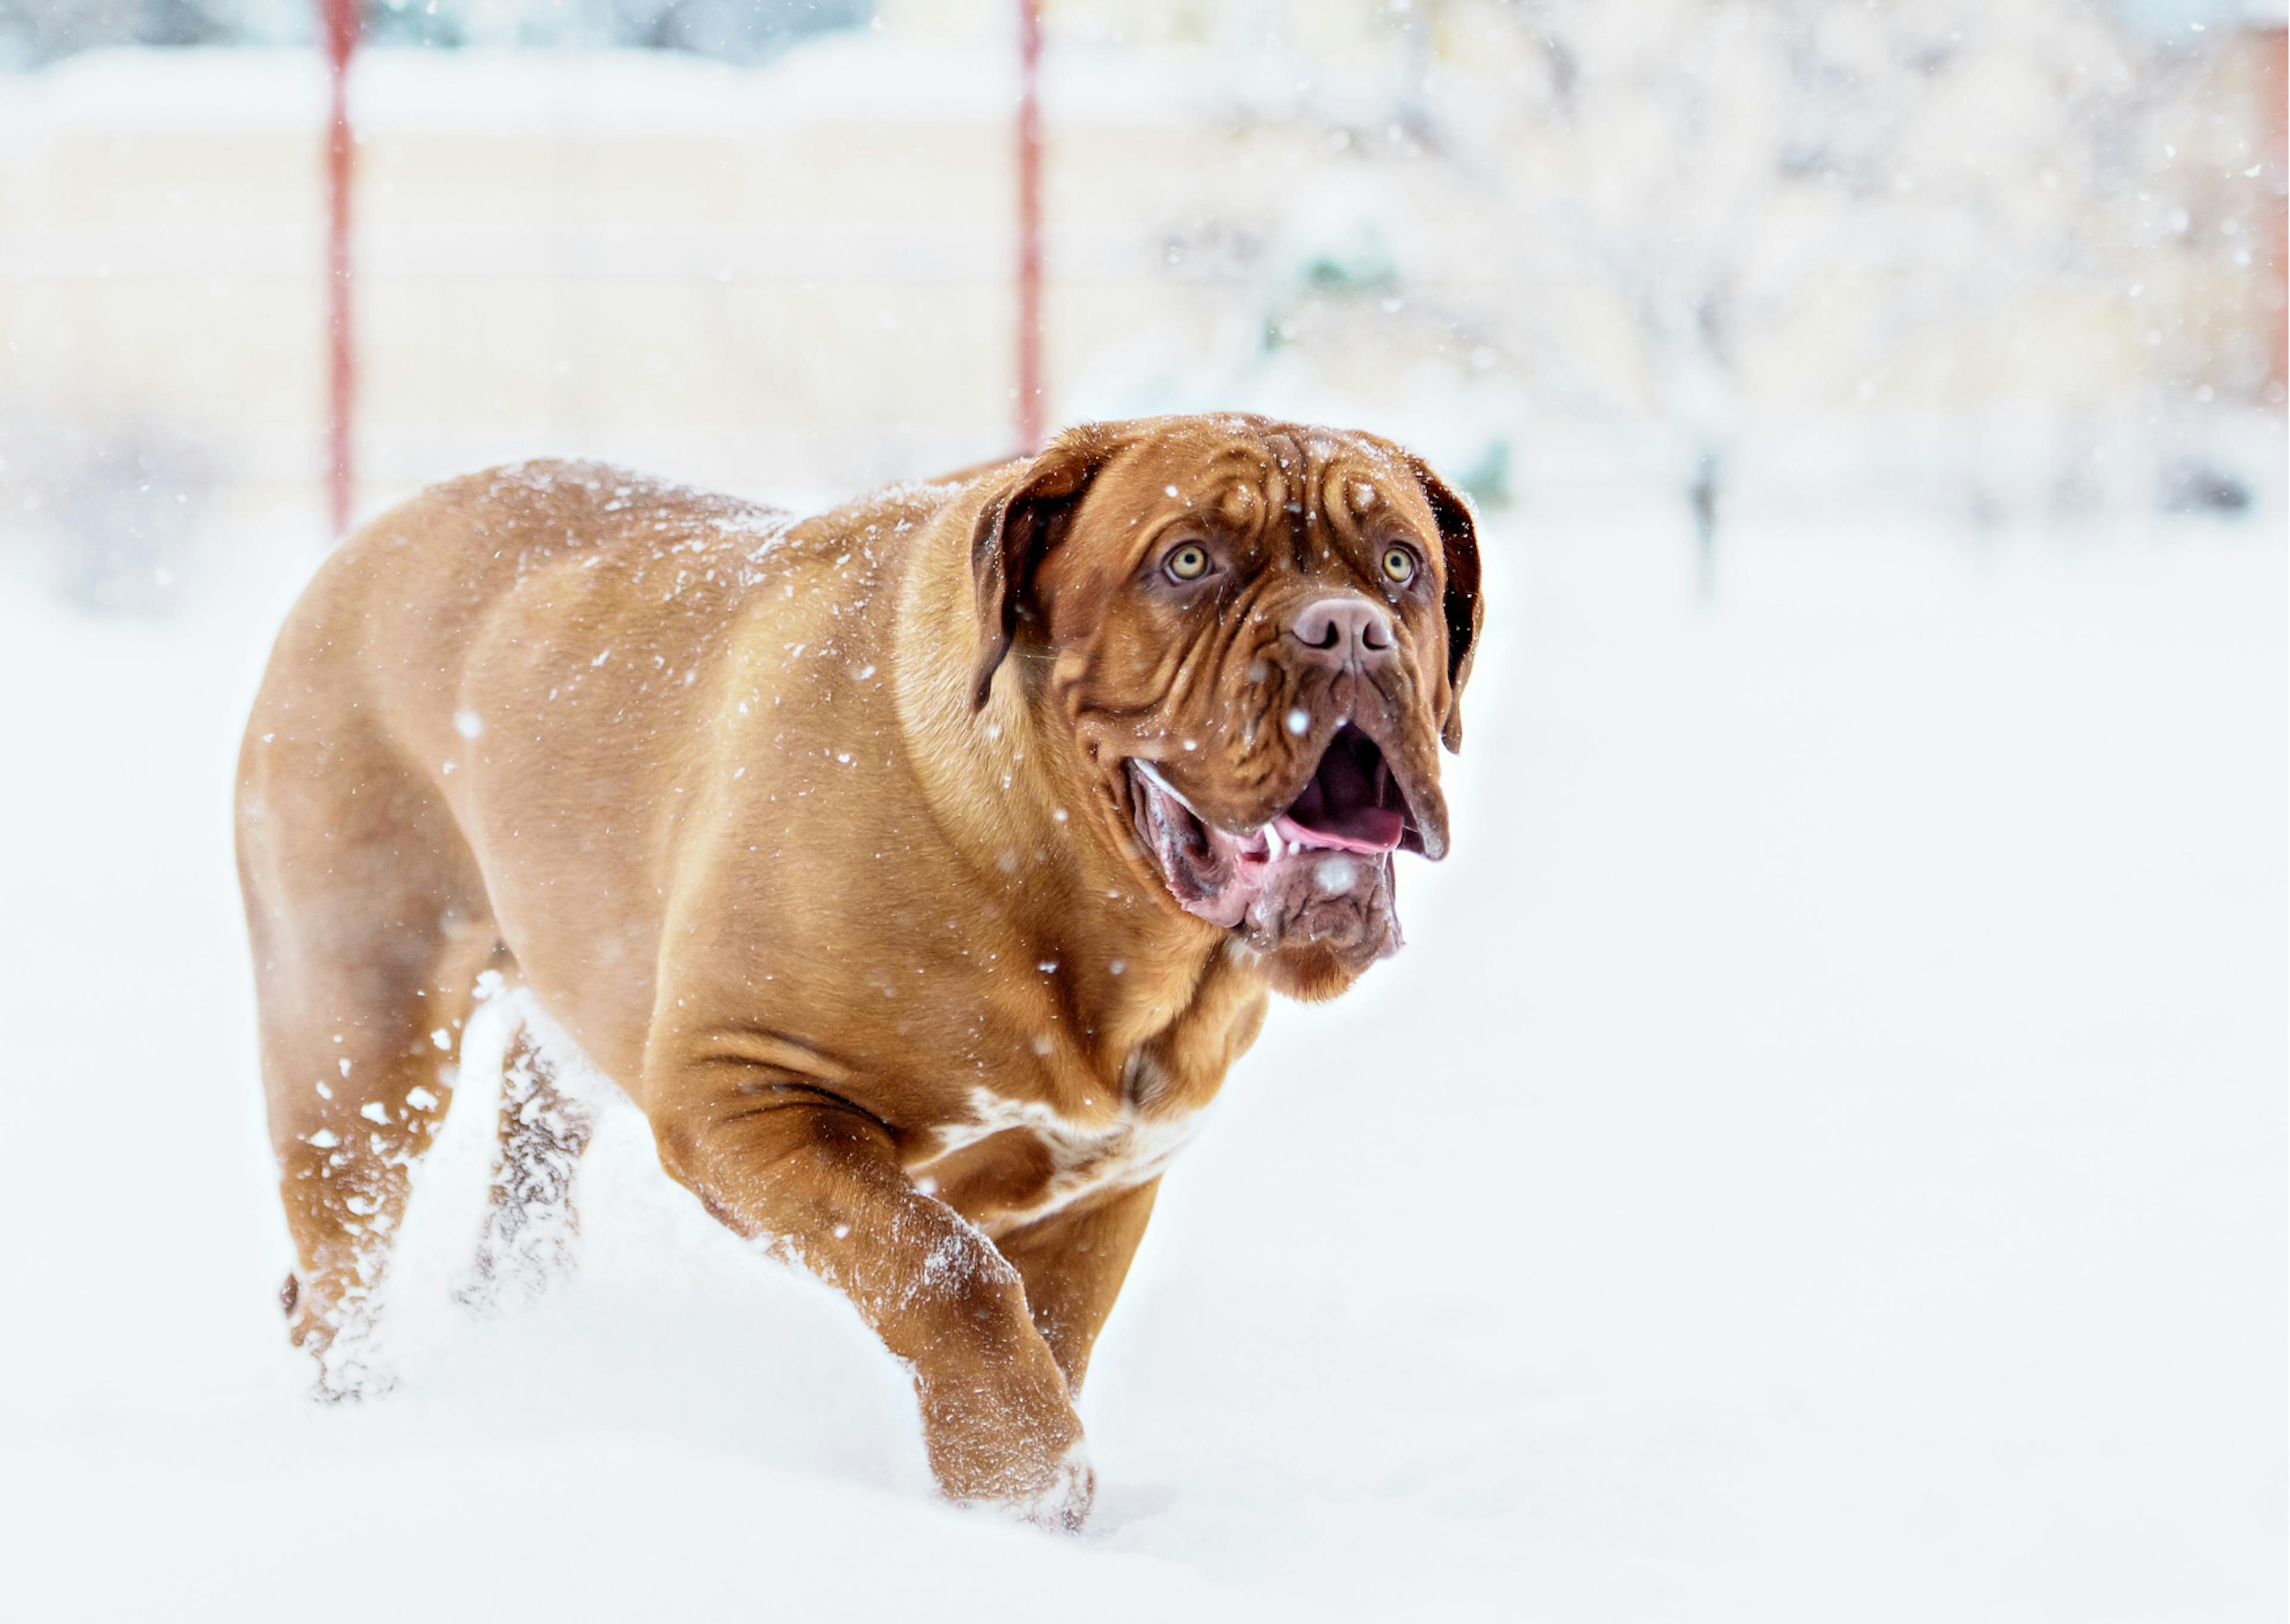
[(1459, 544), (1016, 528)]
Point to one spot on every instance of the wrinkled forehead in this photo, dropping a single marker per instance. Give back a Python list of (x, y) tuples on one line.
[(1245, 478)]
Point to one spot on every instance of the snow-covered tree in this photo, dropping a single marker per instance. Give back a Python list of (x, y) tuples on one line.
[(1695, 220)]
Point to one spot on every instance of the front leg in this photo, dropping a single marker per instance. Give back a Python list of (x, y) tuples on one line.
[(1073, 1263), (817, 1178)]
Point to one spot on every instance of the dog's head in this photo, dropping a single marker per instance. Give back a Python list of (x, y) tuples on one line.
[(1257, 635)]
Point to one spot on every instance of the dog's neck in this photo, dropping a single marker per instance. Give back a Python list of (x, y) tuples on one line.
[(1015, 793)]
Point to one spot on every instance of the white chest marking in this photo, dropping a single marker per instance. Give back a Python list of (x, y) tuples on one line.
[(1117, 1152)]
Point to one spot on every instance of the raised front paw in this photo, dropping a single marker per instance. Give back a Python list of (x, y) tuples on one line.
[(1007, 1456), (1063, 1502)]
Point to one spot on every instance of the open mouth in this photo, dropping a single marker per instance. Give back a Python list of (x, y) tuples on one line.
[(1333, 840), (1352, 803)]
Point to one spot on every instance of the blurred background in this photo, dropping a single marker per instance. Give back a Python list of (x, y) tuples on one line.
[(1820, 1155), (2015, 261)]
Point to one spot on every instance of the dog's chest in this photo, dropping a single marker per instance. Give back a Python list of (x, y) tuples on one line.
[(1018, 1160), (1058, 1129)]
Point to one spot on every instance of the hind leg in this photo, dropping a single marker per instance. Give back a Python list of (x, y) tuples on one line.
[(531, 1223), (369, 925)]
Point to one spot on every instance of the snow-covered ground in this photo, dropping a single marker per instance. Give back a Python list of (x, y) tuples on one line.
[(1819, 1158)]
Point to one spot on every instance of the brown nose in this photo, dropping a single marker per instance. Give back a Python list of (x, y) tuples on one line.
[(1342, 633)]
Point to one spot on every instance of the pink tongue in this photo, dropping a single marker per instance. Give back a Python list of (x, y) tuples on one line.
[(1382, 825)]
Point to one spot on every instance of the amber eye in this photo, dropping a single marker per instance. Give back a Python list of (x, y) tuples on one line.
[(1190, 562), (1398, 565)]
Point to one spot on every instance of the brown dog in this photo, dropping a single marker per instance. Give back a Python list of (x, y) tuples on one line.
[(919, 868)]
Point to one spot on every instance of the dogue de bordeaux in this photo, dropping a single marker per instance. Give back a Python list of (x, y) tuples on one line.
[(919, 867)]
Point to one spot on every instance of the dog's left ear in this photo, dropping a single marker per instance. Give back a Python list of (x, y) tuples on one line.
[(1015, 530), (1459, 546)]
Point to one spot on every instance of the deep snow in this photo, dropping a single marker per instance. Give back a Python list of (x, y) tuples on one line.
[(1820, 1157)]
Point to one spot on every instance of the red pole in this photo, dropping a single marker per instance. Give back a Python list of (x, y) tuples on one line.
[(2274, 104), (1030, 227), (340, 20)]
